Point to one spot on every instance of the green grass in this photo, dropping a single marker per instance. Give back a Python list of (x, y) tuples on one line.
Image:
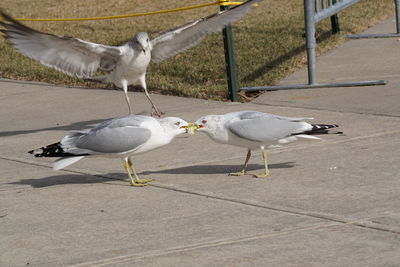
[(269, 41)]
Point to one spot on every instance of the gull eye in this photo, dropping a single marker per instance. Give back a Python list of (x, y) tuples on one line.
[(177, 123), (147, 40), (203, 121)]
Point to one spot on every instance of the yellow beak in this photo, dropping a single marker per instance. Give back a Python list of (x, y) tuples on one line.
[(190, 128)]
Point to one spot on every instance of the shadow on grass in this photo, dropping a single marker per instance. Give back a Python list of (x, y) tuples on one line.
[(281, 59), (69, 179)]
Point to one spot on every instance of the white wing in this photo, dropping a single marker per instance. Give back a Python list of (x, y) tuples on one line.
[(69, 55), (183, 37)]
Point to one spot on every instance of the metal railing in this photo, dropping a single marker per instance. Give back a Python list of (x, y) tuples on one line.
[(381, 35), (315, 11)]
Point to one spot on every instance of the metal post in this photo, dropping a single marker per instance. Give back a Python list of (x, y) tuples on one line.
[(335, 22), (230, 61), (397, 4), (309, 9)]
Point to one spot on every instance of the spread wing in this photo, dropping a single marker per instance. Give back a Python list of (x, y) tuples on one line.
[(183, 37), (66, 54), (267, 127)]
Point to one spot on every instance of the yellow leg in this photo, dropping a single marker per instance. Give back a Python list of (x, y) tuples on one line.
[(133, 180), (243, 171), (139, 181), (266, 172)]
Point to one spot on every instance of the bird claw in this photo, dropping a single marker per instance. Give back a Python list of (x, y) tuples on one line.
[(156, 112)]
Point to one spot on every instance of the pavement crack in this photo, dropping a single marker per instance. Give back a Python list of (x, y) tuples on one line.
[(210, 244), (293, 211)]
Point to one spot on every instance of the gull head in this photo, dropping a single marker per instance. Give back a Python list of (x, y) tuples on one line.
[(215, 126), (174, 125), (141, 42), (209, 124)]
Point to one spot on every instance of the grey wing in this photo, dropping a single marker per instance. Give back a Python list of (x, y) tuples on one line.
[(266, 128), (129, 120), (183, 37), (256, 114), (66, 54), (113, 140), (113, 136)]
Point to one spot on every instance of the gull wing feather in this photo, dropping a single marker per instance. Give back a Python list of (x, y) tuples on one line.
[(267, 128), (183, 37), (256, 114), (114, 136), (66, 54)]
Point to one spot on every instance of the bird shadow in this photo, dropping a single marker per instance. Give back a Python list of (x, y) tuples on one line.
[(69, 179), (73, 126), (218, 169), (65, 179)]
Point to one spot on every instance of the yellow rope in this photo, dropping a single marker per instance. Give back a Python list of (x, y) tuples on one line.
[(220, 2), (228, 3)]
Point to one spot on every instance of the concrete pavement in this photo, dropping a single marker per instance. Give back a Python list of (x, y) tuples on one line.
[(326, 203)]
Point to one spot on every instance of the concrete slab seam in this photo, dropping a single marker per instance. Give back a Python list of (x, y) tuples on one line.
[(216, 243)]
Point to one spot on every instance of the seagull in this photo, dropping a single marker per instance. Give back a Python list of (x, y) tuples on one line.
[(120, 137), (125, 64), (255, 130)]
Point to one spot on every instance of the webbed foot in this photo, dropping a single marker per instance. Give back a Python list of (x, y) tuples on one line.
[(144, 181), (263, 175), (241, 173)]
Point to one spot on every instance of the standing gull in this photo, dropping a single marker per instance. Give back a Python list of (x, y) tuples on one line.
[(256, 130), (118, 138), (127, 63)]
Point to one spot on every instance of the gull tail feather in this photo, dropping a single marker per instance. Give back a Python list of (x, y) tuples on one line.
[(306, 136), (65, 162)]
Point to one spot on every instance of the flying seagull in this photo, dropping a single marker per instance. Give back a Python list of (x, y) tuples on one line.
[(255, 130), (127, 63), (121, 137)]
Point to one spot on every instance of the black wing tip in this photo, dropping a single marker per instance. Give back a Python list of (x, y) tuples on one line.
[(9, 22), (3, 13), (6, 17), (53, 150), (324, 126), (322, 129)]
